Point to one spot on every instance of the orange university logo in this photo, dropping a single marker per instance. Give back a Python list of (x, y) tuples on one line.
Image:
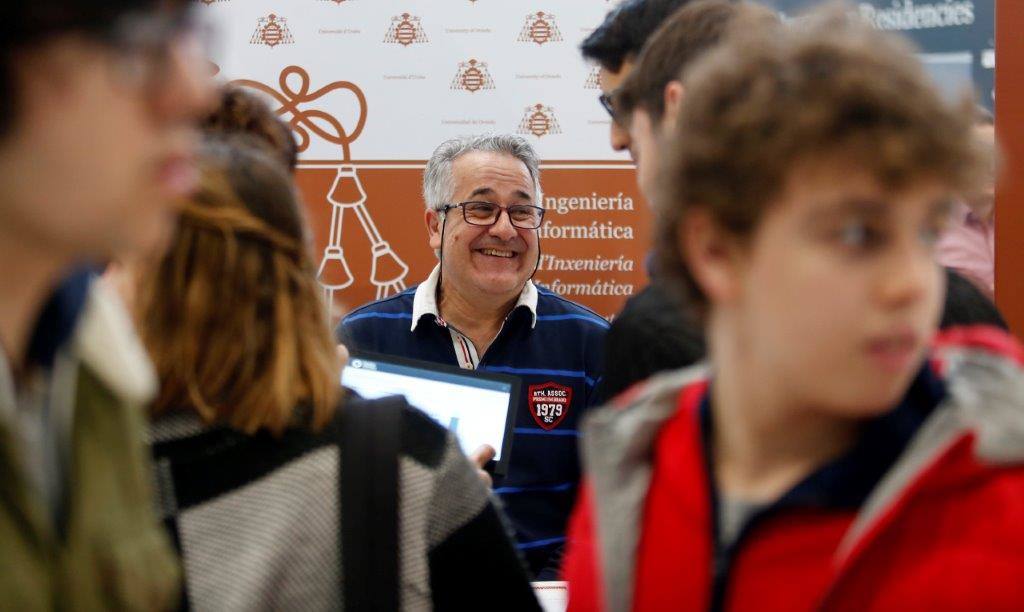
[(405, 30), (539, 120), (472, 76), (271, 31), (540, 28)]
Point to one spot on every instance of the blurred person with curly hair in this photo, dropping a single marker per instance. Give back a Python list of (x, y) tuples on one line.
[(833, 452)]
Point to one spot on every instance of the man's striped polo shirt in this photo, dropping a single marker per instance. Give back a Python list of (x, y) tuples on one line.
[(554, 346)]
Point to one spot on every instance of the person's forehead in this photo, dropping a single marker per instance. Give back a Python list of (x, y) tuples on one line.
[(498, 171), (609, 81), (832, 187)]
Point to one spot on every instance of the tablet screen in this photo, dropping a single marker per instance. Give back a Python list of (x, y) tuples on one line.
[(475, 406)]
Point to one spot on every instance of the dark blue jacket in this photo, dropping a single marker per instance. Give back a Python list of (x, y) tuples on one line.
[(560, 355)]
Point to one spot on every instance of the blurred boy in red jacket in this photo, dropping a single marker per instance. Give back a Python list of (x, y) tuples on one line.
[(833, 454)]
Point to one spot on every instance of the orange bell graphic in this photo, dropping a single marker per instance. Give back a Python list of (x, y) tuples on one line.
[(347, 190)]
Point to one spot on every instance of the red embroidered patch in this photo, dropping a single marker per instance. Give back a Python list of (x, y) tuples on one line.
[(549, 403)]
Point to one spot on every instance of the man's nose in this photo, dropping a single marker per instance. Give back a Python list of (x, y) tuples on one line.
[(619, 137), (503, 227)]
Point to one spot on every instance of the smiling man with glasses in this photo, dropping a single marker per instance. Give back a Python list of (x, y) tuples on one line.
[(479, 309)]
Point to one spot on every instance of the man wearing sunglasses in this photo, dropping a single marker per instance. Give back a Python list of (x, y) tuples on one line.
[(479, 309), (97, 113)]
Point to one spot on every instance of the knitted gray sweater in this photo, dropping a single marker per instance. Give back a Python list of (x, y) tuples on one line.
[(255, 519)]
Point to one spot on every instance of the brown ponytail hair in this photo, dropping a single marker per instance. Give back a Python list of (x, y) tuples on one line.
[(232, 314)]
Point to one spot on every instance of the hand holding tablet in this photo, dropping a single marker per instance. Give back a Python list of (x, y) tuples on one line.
[(476, 406), (480, 458)]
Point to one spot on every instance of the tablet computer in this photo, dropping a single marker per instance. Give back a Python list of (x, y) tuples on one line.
[(478, 407)]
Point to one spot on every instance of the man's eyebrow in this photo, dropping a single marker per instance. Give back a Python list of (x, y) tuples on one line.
[(484, 191), (524, 196), (487, 191)]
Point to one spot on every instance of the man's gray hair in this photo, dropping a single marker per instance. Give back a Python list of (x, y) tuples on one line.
[(438, 185)]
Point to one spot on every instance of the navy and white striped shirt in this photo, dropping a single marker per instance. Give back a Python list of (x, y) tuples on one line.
[(555, 348)]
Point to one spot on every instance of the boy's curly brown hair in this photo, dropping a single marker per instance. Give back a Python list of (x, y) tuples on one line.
[(767, 99)]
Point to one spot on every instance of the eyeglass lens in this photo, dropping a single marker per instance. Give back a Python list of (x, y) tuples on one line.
[(485, 213)]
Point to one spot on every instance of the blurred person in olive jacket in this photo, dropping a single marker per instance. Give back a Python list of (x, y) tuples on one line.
[(96, 120)]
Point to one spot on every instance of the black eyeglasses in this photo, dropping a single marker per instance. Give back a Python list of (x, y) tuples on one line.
[(145, 43), (606, 101), (522, 216)]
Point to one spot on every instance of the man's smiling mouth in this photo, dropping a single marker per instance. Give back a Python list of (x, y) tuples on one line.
[(498, 253)]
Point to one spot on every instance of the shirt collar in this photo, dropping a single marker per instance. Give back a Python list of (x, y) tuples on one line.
[(59, 317), (88, 323), (106, 342), (425, 300), (52, 331)]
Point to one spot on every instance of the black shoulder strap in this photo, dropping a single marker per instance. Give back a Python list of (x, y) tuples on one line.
[(370, 444)]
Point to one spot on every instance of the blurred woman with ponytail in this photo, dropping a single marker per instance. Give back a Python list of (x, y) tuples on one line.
[(281, 491)]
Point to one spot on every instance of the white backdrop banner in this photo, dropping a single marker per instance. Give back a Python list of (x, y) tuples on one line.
[(428, 70)]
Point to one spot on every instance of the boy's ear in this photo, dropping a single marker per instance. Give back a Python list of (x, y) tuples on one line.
[(673, 95), (433, 221), (712, 256)]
